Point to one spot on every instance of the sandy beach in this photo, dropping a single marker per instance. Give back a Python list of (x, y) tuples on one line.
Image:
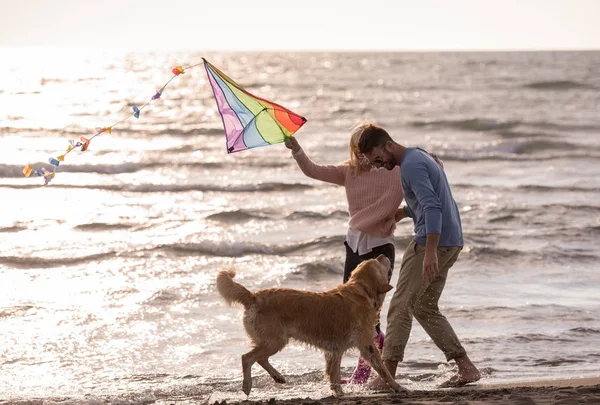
[(555, 392)]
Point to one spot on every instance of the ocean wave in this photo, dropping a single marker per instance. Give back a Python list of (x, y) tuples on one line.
[(316, 270), (18, 311), (556, 362), (243, 215), (538, 337), (90, 79), (239, 249), (237, 216), (174, 188), (484, 311), (532, 187), (563, 127), (568, 256), (477, 156), (164, 297), (522, 149), (206, 248), (15, 171), (75, 132), (317, 216), (506, 127), (558, 85), (472, 124), (33, 262), (516, 214), (526, 314), (503, 218), (101, 226), (553, 189), (487, 254), (11, 229), (531, 146), (189, 132), (578, 207), (583, 331), (527, 134)]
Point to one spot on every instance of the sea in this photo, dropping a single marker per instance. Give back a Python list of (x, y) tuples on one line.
[(107, 274)]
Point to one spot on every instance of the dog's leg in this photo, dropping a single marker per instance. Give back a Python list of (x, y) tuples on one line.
[(261, 355), (333, 361), (248, 360), (371, 354), (271, 370)]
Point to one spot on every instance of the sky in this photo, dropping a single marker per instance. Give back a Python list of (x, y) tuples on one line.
[(304, 25)]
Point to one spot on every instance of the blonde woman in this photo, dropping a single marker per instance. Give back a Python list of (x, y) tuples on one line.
[(374, 198)]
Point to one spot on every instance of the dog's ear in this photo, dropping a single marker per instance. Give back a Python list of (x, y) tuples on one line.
[(385, 288)]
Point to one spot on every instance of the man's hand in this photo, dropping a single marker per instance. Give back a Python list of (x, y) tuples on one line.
[(292, 143), (430, 267), (431, 271)]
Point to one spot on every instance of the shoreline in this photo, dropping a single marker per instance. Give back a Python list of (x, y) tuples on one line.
[(583, 390)]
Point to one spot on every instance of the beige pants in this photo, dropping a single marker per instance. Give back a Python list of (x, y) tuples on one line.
[(415, 297)]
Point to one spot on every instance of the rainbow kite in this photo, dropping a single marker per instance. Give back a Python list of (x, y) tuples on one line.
[(249, 121)]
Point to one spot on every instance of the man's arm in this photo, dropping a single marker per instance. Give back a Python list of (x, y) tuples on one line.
[(420, 184)]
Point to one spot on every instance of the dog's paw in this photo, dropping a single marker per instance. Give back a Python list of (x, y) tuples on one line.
[(397, 387), (247, 385), (279, 379), (337, 390)]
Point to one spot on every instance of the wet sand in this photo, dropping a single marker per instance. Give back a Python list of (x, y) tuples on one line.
[(555, 392)]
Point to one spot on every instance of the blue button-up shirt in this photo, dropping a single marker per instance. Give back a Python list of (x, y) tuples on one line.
[(429, 200)]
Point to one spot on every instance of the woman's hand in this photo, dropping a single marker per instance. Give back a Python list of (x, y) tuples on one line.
[(437, 159), (292, 143), (399, 215)]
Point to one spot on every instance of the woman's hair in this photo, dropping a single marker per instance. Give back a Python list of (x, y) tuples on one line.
[(357, 133)]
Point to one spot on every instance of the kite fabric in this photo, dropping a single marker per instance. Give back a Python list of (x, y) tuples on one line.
[(249, 121)]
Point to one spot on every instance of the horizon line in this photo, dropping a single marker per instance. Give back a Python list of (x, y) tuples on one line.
[(324, 50)]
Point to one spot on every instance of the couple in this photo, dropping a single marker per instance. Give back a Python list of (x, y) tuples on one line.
[(374, 197)]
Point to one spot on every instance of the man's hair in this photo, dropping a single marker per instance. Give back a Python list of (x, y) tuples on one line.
[(372, 136)]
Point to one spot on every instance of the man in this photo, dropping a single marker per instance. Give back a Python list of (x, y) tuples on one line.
[(437, 243)]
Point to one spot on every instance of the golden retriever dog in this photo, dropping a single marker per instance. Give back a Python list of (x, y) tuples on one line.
[(333, 321)]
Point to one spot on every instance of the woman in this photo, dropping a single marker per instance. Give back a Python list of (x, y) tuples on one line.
[(374, 197)]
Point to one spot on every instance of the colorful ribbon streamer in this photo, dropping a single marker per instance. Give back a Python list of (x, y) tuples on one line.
[(84, 143)]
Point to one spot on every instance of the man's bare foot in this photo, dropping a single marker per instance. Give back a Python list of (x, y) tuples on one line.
[(467, 373), (459, 381)]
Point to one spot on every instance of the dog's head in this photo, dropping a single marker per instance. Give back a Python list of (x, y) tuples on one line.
[(372, 276)]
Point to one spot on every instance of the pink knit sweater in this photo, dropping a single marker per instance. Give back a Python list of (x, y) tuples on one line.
[(373, 197)]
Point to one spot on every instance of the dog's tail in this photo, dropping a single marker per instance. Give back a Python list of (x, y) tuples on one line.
[(232, 291)]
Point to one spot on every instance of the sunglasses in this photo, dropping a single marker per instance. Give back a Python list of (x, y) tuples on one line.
[(378, 160)]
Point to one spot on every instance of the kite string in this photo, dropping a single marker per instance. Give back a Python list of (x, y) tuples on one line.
[(27, 170)]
